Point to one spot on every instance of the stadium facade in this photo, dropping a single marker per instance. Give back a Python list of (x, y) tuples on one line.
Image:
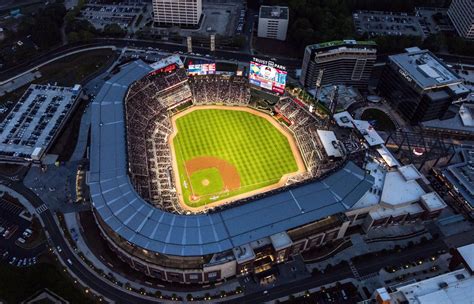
[(346, 62), (251, 236)]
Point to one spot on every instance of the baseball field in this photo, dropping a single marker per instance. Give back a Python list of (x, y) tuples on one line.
[(224, 153)]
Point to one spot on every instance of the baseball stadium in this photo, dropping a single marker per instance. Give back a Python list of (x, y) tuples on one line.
[(192, 180)]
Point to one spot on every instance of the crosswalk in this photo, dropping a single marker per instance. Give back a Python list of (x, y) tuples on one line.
[(354, 270), (41, 209)]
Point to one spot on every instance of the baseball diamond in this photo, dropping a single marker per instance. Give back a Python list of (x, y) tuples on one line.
[(227, 153)]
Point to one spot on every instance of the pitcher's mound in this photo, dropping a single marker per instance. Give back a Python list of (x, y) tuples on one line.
[(205, 182)]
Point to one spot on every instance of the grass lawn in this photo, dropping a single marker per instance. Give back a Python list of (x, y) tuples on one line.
[(260, 152), (76, 68), (17, 284), (382, 121), (207, 181)]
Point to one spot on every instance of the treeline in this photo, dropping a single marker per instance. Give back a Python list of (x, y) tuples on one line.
[(44, 26), (314, 21)]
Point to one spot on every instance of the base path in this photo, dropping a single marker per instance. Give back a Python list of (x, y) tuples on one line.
[(230, 175), (281, 183)]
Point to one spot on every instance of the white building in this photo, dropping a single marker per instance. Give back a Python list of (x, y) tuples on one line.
[(461, 13), (177, 12), (273, 22), (455, 287)]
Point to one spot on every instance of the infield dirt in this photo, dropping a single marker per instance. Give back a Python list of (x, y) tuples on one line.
[(232, 179)]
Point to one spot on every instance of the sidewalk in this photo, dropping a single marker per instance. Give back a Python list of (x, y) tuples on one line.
[(361, 247), (72, 222)]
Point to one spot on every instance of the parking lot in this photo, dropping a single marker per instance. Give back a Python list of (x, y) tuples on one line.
[(387, 23), (100, 15), (18, 241)]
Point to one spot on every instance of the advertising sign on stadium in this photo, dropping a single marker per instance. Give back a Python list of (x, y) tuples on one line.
[(268, 75), (202, 69), (166, 69)]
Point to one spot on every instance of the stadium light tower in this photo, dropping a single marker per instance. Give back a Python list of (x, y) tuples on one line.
[(318, 86), (213, 43), (332, 103)]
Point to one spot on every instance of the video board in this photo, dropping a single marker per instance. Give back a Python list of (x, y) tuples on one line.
[(167, 69), (201, 69), (268, 75)]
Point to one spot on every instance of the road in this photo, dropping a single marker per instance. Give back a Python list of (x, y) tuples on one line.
[(406, 255), (118, 294), (119, 43), (337, 273), (84, 273)]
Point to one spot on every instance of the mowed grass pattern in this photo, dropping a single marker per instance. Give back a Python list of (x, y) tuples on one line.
[(261, 154)]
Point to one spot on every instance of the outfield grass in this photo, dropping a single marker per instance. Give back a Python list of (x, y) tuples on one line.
[(259, 151)]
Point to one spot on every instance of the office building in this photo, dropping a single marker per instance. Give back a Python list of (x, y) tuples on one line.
[(273, 22), (461, 13), (420, 86), (177, 12), (347, 62)]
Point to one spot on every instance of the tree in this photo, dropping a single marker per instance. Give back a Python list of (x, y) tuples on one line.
[(113, 30)]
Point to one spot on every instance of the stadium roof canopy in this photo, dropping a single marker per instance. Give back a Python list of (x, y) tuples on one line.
[(148, 227)]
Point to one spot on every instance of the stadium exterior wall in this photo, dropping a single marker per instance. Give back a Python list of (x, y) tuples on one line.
[(206, 247)]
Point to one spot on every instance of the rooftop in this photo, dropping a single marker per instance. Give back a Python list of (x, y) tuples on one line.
[(397, 190), (388, 157), (274, 12), (467, 253), (344, 120), (173, 59), (330, 143), (432, 201), (35, 120), (461, 175), (425, 69), (462, 121), (370, 134), (455, 287), (341, 43)]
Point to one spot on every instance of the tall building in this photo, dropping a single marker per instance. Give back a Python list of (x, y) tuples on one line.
[(420, 86), (273, 22), (461, 13), (177, 12), (347, 62)]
